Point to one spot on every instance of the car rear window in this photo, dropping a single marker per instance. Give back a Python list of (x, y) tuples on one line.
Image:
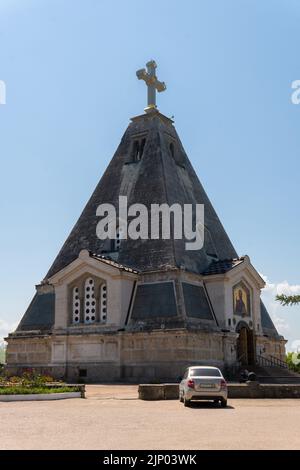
[(205, 373)]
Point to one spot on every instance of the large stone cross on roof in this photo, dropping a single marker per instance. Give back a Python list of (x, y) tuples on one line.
[(152, 83)]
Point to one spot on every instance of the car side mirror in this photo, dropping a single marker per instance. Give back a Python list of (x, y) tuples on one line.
[(179, 379)]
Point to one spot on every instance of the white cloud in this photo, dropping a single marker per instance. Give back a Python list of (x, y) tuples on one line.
[(279, 314), (287, 289), (6, 328), (281, 288), (281, 324)]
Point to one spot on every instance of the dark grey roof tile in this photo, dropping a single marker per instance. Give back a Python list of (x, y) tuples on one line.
[(156, 178), (40, 313), (222, 266)]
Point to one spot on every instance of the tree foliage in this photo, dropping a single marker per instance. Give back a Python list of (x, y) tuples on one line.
[(293, 361), (2, 354), (288, 299)]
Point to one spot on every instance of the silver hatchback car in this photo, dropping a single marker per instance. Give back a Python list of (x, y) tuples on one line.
[(203, 383)]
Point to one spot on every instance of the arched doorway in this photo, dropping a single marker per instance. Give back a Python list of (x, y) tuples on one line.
[(245, 344)]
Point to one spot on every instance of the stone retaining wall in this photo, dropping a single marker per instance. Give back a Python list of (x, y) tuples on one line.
[(81, 388), (40, 396), (251, 390)]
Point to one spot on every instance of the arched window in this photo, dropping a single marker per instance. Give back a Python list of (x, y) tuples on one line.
[(135, 151), (141, 149), (103, 303), (89, 301), (76, 305)]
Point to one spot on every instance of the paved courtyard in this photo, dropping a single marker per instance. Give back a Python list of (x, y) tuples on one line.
[(113, 418)]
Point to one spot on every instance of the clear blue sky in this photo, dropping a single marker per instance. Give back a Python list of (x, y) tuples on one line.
[(69, 68)]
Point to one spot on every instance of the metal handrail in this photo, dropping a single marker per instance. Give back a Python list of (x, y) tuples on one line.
[(263, 361), (271, 361), (278, 361)]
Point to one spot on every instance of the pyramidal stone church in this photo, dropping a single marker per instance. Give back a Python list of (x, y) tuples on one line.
[(128, 309)]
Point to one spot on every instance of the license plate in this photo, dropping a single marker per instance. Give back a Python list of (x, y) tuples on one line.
[(207, 386)]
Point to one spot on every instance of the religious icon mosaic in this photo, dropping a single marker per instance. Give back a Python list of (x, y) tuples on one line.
[(241, 300)]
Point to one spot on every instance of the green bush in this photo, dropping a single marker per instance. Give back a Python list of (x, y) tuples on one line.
[(290, 359), (2, 354)]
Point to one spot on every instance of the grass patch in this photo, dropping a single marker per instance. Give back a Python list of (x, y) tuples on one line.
[(20, 390)]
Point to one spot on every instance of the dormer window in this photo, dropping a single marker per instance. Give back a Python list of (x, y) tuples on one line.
[(141, 149), (137, 150)]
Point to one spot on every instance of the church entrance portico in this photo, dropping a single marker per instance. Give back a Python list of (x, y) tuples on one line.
[(245, 344)]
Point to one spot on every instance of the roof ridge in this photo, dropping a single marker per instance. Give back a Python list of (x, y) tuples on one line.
[(111, 262)]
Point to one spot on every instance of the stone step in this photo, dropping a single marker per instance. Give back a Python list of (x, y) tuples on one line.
[(275, 375)]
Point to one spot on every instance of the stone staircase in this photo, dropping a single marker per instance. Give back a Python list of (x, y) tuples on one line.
[(276, 375), (268, 370)]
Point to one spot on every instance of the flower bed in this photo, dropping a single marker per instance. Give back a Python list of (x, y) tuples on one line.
[(28, 379), (31, 383)]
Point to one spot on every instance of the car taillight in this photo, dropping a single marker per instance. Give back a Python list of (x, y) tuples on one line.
[(191, 383), (223, 383)]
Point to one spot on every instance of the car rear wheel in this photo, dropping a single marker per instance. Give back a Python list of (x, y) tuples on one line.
[(223, 403), (180, 398)]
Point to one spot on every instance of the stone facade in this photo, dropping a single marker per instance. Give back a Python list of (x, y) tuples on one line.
[(135, 356), (126, 349), (126, 356)]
